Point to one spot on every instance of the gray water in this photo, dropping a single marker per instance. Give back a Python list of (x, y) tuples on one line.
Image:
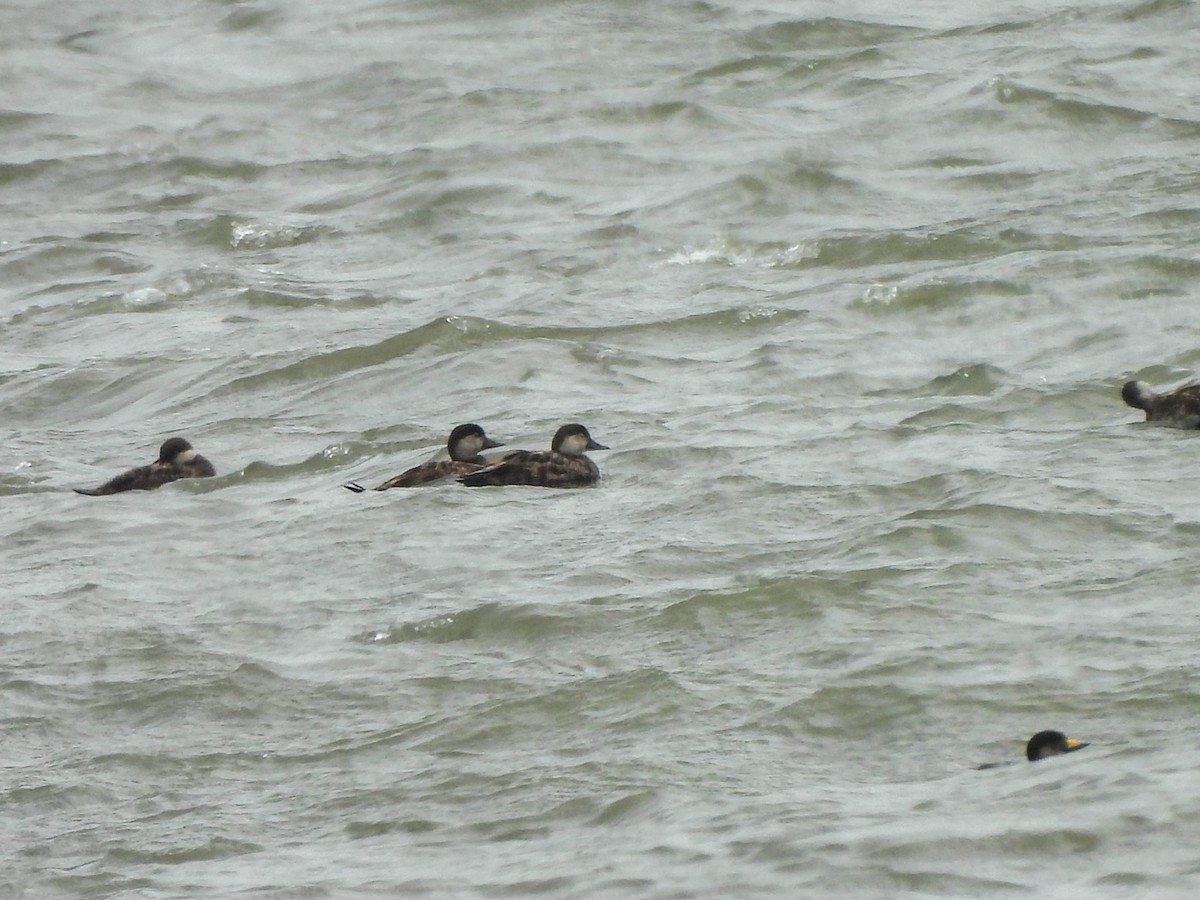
[(850, 291)]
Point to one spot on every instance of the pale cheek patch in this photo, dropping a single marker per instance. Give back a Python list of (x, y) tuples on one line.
[(468, 447), (185, 457)]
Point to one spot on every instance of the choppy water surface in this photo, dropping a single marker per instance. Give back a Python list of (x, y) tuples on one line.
[(850, 291)]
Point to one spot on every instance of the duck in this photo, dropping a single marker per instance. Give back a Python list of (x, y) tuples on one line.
[(465, 444), (563, 466), (176, 459), (1040, 746), (1176, 409), (1050, 743)]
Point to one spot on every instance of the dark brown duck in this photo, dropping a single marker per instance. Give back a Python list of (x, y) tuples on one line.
[(176, 459), (1177, 409), (563, 466), (464, 446)]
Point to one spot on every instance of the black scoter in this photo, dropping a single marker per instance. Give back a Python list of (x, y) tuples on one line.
[(464, 446), (176, 459), (1175, 409), (563, 466)]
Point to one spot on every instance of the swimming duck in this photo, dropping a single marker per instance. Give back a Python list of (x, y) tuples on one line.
[(1050, 743), (1177, 409), (563, 466), (465, 444), (176, 459), (1041, 745)]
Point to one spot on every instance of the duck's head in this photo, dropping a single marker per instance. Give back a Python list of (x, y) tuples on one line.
[(1050, 743), (1138, 394), (175, 450), (573, 440), (468, 441)]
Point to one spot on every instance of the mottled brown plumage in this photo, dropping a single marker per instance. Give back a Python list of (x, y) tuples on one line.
[(1177, 409), (464, 446), (176, 459), (562, 467)]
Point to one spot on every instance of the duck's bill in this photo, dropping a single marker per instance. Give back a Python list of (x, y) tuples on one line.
[(1074, 745)]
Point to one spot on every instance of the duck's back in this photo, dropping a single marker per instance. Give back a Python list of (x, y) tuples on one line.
[(429, 472), (1181, 408), (146, 478), (536, 467)]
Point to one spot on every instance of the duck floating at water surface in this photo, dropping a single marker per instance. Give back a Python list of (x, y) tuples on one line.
[(563, 466), (176, 459), (1175, 409), (464, 446)]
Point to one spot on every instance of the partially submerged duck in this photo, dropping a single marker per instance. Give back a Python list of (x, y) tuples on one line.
[(1176, 409), (176, 459), (1050, 743), (464, 446), (564, 465), (1041, 745)]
